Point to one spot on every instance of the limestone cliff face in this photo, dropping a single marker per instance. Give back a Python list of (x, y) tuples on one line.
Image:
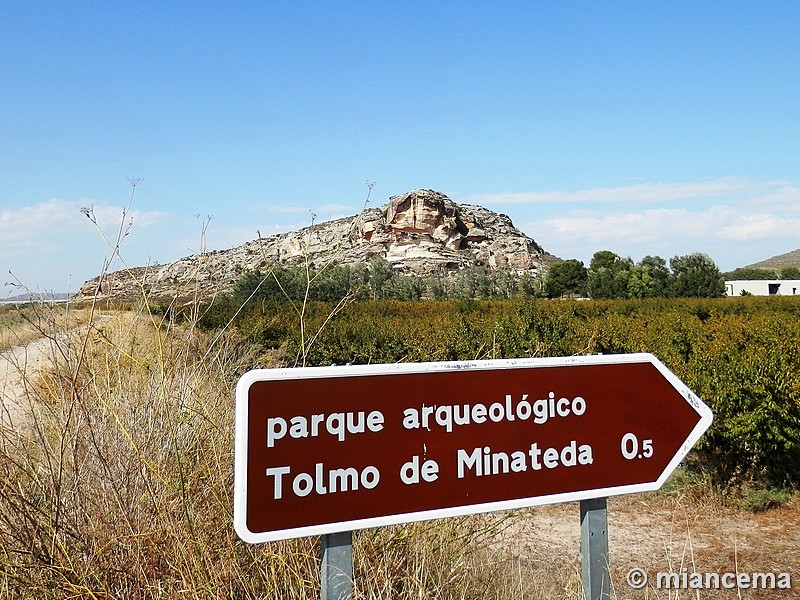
[(419, 233)]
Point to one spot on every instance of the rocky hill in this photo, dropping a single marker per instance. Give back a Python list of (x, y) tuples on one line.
[(418, 233)]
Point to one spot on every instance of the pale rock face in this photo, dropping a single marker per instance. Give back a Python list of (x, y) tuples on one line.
[(421, 232)]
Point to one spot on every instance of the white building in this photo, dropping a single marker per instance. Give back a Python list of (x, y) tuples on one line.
[(764, 287)]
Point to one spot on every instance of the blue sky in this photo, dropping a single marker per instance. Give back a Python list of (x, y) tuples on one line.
[(639, 127)]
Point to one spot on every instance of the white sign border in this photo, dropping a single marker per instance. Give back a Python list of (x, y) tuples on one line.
[(241, 440)]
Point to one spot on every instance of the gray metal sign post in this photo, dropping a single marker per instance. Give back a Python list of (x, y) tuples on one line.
[(594, 549), (336, 569)]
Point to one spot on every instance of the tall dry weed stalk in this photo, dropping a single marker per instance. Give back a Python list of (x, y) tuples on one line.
[(118, 484), (300, 308), (124, 488)]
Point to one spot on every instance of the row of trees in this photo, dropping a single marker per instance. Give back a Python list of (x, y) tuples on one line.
[(612, 276), (378, 281), (608, 276), (749, 273)]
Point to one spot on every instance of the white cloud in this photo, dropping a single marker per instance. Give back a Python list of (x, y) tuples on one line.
[(736, 220), (759, 227), (645, 193), (714, 222), (733, 234), (59, 217), (779, 196), (25, 225), (335, 208), (47, 243), (111, 216), (319, 210)]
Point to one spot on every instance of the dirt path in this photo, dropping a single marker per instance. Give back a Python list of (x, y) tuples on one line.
[(18, 365)]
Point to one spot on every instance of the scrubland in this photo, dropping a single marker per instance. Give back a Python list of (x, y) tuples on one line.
[(117, 480)]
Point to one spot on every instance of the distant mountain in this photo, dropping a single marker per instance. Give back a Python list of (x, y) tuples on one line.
[(421, 233), (37, 297), (781, 261)]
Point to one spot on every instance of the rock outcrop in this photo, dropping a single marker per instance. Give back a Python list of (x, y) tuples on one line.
[(421, 232)]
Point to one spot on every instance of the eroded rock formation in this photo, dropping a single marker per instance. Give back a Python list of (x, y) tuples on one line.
[(419, 233)]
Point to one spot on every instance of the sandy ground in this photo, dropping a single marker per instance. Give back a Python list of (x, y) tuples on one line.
[(659, 532), (17, 365), (20, 365)]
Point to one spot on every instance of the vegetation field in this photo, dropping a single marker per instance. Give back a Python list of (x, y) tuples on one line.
[(741, 355), (118, 482)]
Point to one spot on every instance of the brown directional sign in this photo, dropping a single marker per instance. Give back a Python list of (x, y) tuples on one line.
[(327, 449)]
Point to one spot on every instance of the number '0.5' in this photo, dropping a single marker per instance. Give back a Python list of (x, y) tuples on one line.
[(629, 446)]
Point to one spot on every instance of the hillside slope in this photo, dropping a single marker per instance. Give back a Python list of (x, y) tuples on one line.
[(420, 233), (781, 261)]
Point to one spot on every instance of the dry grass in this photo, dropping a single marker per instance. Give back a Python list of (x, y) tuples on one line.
[(119, 485), (20, 326), (685, 528), (116, 487), (703, 533)]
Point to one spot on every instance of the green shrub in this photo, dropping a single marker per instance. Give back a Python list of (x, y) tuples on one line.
[(740, 355)]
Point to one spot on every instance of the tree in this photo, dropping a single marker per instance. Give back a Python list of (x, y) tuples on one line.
[(332, 284), (748, 273), (438, 285), (647, 279), (657, 268), (380, 273), (790, 273), (402, 288), (608, 275), (535, 286), (640, 282), (566, 278), (258, 287), (695, 276), (603, 259), (474, 282)]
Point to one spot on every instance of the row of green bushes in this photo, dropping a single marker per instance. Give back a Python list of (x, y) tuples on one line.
[(376, 281), (609, 276), (740, 355)]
